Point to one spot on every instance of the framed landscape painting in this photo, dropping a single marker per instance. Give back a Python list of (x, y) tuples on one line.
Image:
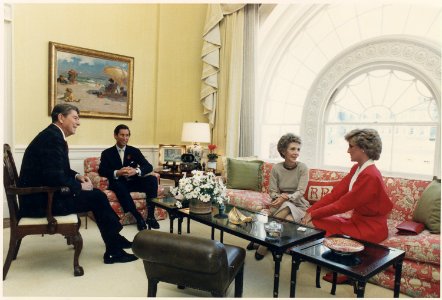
[(100, 84)]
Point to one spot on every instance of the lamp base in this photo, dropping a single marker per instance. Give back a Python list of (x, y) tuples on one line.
[(187, 167), (197, 152)]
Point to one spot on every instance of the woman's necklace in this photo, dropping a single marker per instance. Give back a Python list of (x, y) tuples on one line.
[(287, 167)]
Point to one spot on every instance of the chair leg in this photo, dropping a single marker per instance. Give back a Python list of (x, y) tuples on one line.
[(77, 241), (18, 243), (12, 254), (239, 279), (152, 287)]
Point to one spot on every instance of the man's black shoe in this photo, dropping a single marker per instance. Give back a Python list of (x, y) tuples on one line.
[(119, 257), (141, 225), (124, 243), (153, 223)]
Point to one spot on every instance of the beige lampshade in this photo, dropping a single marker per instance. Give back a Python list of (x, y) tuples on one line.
[(195, 132)]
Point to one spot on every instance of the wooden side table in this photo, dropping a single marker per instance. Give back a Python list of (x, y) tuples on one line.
[(173, 175), (176, 175)]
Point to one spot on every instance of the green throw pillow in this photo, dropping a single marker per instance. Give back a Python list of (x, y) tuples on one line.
[(244, 175), (428, 207)]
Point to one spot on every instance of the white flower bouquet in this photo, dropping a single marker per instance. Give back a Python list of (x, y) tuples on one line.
[(204, 186)]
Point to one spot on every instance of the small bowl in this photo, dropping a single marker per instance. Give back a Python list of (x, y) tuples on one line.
[(343, 246), (273, 230)]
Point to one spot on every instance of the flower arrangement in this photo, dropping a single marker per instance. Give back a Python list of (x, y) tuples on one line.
[(202, 186), (212, 156)]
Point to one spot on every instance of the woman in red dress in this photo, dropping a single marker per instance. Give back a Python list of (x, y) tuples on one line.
[(361, 191)]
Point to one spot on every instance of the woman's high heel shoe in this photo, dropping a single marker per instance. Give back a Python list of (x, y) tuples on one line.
[(252, 246), (258, 256)]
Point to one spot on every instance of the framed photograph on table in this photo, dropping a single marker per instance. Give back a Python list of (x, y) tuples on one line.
[(171, 153), (99, 83)]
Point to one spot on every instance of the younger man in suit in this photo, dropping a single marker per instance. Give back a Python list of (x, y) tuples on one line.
[(46, 163), (126, 168)]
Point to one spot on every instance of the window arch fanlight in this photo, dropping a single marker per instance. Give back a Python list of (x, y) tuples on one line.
[(400, 64)]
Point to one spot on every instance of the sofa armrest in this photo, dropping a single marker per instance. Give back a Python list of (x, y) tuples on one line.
[(97, 181)]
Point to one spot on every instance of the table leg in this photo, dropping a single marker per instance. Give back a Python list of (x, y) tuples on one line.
[(221, 236), (318, 276), (180, 223), (335, 278), (397, 277), (277, 257), (361, 289), (148, 204), (171, 218), (212, 236), (295, 268), (188, 225)]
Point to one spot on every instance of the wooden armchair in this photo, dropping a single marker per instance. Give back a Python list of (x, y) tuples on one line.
[(68, 226)]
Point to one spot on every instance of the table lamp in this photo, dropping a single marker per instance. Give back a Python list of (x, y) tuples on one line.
[(195, 133)]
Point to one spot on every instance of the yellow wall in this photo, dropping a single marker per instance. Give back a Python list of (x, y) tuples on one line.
[(179, 69), (165, 41)]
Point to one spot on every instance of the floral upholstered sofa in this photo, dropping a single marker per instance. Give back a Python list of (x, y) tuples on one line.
[(421, 267), (91, 170)]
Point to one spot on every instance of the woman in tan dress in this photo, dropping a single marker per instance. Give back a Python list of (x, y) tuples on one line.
[(288, 182)]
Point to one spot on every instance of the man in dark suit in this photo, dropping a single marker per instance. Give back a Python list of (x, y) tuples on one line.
[(46, 163), (127, 170)]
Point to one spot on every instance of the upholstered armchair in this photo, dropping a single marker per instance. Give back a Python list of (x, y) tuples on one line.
[(189, 261)]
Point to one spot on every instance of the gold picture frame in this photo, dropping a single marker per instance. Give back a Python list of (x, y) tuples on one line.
[(99, 83), (170, 153)]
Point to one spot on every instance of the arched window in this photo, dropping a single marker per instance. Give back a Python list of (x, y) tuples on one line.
[(395, 103), (317, 58)]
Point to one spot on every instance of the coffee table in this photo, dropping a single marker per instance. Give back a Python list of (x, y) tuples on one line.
[(168, 203), (254, 232), (360, 266)]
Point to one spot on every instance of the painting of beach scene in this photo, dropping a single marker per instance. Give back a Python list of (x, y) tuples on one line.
[(100, 84)]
